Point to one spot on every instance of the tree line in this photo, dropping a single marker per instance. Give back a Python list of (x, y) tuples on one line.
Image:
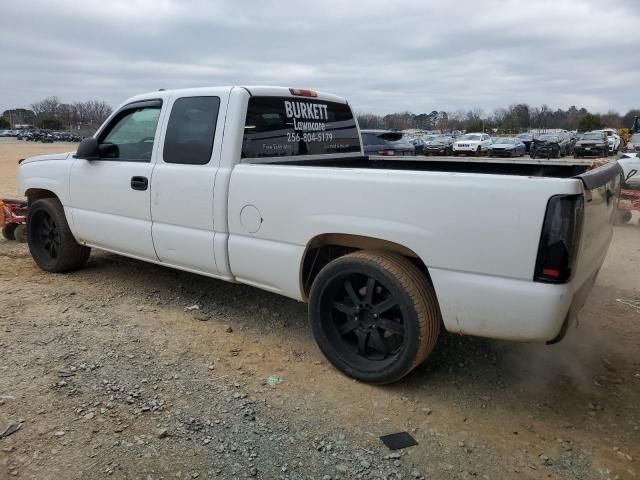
[(51, 113), (513, 119)]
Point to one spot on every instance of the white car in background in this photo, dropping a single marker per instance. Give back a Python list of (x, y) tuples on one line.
[(614, 139), (472, 143)]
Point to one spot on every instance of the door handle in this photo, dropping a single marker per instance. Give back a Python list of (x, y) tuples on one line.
[(139, 183)]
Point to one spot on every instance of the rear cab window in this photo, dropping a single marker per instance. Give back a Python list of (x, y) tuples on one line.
[(293, 127), (191, 130)]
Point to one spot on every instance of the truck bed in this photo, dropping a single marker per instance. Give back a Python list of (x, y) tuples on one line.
[(552, 168)]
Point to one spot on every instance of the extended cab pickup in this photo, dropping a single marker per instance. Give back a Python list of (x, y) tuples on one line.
[(269, 187)]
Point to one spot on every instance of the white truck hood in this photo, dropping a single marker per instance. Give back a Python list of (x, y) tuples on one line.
[(51, 156)]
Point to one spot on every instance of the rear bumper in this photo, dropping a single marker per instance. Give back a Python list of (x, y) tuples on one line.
[(506, 308), (502, 152), (595, 151)]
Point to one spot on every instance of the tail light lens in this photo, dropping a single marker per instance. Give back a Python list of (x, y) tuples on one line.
[(387, 153), (560, 239)]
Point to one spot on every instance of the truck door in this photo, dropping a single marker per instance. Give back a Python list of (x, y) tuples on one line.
[(110, 196), (182, 184)]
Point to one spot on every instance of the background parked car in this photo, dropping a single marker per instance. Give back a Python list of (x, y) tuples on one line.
[(507, 147), (527, 139), (418, 145), (472, 143), (591, 144), (633, 145), (439, 146), (550, 146), (613, 138), (386, 142)]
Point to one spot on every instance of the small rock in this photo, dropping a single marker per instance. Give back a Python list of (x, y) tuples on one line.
[(162, 433), (59, 434), (191, 308), (342, 468), (415, 473), (228, 329), (253, 471)]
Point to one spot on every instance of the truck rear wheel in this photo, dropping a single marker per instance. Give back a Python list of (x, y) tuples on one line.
[(374, 315), (51, 243)]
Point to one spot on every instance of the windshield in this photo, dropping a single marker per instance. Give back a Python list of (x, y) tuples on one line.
[(471, 137), (525, 136), (504, 140), (591, 136), (549, 138)]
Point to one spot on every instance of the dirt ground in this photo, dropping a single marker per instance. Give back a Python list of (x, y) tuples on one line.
[(108, 374)]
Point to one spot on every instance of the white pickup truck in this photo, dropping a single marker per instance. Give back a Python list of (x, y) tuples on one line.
[(269, 187)]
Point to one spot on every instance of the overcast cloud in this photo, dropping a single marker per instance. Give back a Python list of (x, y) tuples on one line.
[(384, 56)]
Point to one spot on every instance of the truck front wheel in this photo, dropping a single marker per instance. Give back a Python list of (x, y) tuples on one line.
[(51, 243), (374, 315)]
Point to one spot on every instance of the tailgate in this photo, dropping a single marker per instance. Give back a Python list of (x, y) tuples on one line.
[(601, 192)]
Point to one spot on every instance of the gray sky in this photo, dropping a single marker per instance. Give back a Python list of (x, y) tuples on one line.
[(384, 56)]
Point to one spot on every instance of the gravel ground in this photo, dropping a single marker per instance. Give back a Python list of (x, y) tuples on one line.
[(130, 370)]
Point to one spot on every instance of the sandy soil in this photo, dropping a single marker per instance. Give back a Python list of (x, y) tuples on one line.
[(108, 376), (12, 150)]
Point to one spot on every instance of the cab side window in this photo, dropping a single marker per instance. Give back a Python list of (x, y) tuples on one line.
[(131, 135), (191, 130)]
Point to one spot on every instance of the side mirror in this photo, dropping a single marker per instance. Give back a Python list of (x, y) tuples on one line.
[(88, 149)]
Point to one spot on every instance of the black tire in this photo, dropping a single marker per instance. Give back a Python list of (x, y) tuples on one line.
[(20, 233), (479, 152), (348, 324), (8, 231), (51, 243)]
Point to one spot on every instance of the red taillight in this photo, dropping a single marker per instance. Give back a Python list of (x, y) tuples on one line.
[(301, 92), (551, 272), (387, 153), (560, 239)]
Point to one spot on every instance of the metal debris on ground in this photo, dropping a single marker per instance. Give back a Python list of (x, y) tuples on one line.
[(396, 441), (630, 303), (11, 429)]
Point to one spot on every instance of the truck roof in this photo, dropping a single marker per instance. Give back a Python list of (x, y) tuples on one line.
[(253, 90)]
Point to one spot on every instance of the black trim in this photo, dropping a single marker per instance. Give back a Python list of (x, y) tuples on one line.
[(563, 330), (600, 176), (154, 102)]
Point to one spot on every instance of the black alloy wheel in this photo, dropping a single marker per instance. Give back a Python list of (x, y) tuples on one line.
[(50, 240), (374, 315), (45, 231)]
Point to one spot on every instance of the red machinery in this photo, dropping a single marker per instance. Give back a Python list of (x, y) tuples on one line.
[(13, 219), (628, 202)]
